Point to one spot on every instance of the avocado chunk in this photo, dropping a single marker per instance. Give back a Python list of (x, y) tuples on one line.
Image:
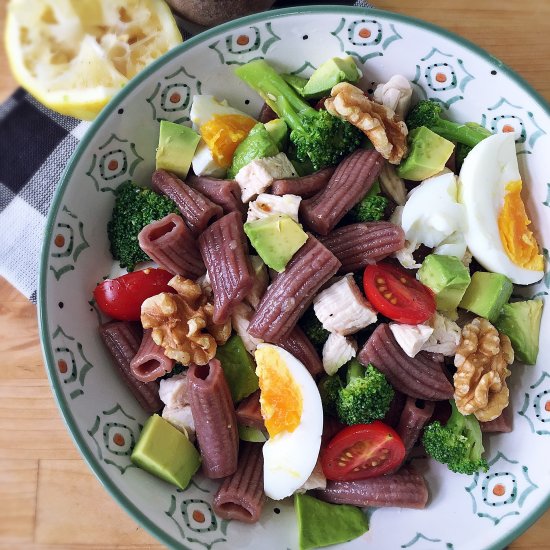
[(239, 368), (258, 144), (448, 277), (247, 433), (322, 524), (520, 321), (165, 452), (177, 146), (276, 239), (428, 154), (298, 83), (486, 294), (330, 73), (278, 130)]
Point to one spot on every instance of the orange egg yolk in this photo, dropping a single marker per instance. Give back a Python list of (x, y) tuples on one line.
[(280, 396), (513, 225), (222, 134)]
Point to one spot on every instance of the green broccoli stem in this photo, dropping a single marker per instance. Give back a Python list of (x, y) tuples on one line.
[(462, 133), (273, 89), (354, 370), (469, 427)]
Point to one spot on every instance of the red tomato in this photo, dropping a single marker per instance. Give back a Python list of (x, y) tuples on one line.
[(397, 295), (121, 298), (362, 451)]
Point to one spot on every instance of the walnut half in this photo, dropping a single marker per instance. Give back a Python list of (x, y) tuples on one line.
[(482, 360), (387, 132), (182, 323)]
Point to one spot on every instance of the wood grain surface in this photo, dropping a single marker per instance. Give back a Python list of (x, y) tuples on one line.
[(48, 496)]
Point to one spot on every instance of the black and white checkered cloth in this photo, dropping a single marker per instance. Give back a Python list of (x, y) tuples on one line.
[(35, 146)]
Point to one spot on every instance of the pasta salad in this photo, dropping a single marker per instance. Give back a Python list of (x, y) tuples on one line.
[(332, 293)]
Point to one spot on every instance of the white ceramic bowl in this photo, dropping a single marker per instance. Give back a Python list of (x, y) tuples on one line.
[(463, 512)]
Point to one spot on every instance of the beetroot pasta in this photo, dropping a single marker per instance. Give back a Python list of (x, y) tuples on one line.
[(405, 489), (360, 244), (350, 182), (421, 376), (123, 339), (396, 408), (215, 421), (299, 345), (225, 193), (150, 363), (224, 250), (292, 291), (241, 496), (170, 243), (414, 416), (306, 186), (196, 209), (501, 424), (266, 113), (248, 412)]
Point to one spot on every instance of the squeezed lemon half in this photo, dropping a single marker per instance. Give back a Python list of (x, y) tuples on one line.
[(74, 55)]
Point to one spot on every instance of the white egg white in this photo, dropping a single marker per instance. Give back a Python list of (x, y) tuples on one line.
[(204, 164), (489, 167), (432, 215), (290, 457)]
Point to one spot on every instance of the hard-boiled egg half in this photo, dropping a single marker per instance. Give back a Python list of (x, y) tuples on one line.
[(498, 233), (293, 415), (222, 128)]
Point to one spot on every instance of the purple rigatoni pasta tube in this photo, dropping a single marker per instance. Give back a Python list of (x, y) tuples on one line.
[(292, 291), (405, 489), (241, 496), (396, 408), (226, 193), (413, 419), (224, 250), (299, 345), (249, 412), (306, 186), (123, 340), (350, 182), (420, 377), (170, 243), (501, 424), (359, 244), (150, 363), (266, 114), (215, 421), (196, 209)]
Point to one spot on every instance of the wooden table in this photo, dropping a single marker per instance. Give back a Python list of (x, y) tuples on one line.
[(48, 496)]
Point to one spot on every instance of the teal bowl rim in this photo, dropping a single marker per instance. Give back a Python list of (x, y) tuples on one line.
[(64, 408)]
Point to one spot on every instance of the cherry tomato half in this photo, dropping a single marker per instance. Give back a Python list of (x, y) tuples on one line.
[(362, 451), (121, 298), (397, 295)]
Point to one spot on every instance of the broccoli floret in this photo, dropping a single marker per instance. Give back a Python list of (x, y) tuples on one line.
[(135, 207), (370, 209), (457, 444), (428, 113), (366, 397), (314, 328), (316, 135), (329, 386)]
